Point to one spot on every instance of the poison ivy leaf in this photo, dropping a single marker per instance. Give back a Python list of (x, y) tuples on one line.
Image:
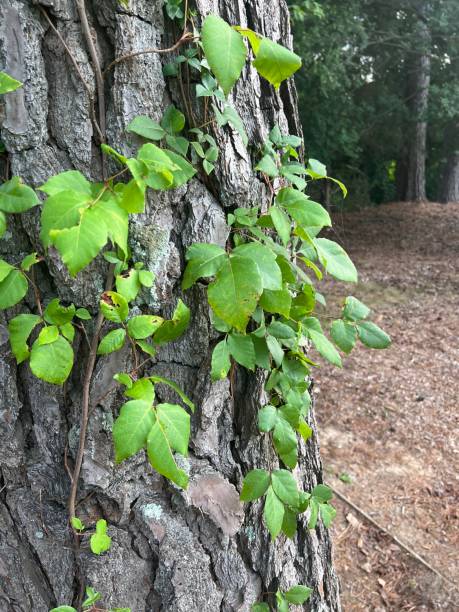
[(48, 335), (235, 291), (52, 362), (282, 603), (204, 260), (281, 223), (273, 513), (302, 209), (354, 309), (183, 171), (289, 524), (255, 485), (116, 221), (132, 194), (276, 301), (316, 169), (176, 426), (275, 349), (335, 260), (77, 523), (8, 83), (111, 342), (314, 513), (265, 259), (161, 457), (221, 362), (100, 542), (56, 314), (322, 493), (173, 329), (344, 335), (12, 289), (5, 269), (285, 487), (142, 326), (173, 120), (298, 594), (325, 347), (231, 116), (268, 166), (83, 314), (91, 597), (69, 181), (242, 350), (170, 383), (62, 210), (63, 609), (224, 50), (146, 278), (304, 430), (29, 261), (288, 274), (178, 143), (146, 127), (262, 355), (267, 418), (142, 389), (146, 347), (285, 442), (131, 428), (327, 514), (123, 379), (79, 245), (128, 284), (157, 169), (68, 331), (3, 224), (371, 335), (114, 306), (113, 153), (275, 63), (256, 607), (16, 197), (19, 329)]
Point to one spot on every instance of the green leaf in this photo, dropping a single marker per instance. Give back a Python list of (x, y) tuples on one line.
[(221, 362), (173, 329), (146, 278), (132, 195), (170, 383), (255, 485), (258, 607), (265, 259), (262, 355), (298, 594), (146, 127), (231, 116), (304, 430), (29, 261), (281, 223), (52, 362), (285, 442), (335, 260), (371, 335), (16, 197), (314, 513), (114, 306), (57, 314), (116, 221), (354, 309), (327, 514), (273, 513), (128, 284), (344, 335), (19, 329), (325, 347), (268, 166), (5, 269), (100, 542), (111, 152), (178, 143), (62, 210), (141, 389), (83, 314), (176, 426), (275, 349), (124, 379), (242, 350), (267, 418), (183, 170), (113, 341), (12, 289), (131, 428), (275, 63), (3, 224), (154, 166), (322, 493), (146, 347), (204, 260), (68, 331), (161, 457), (235, 291), (302, 209), (276, 301), (282, 603), (7, 84), (224, 50), (79, 245), (48, 335), (285, 487), (63, 609), (77, 523), (91, 597), (142, 326), (70, 181), (173, 120)]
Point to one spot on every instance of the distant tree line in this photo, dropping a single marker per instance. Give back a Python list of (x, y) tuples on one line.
[(379, 95)]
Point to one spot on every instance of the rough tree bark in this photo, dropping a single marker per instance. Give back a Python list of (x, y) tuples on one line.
[(415, 185), (173, 551), (449, 186)]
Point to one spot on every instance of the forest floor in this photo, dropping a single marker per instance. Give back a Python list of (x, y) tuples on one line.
[(388, 421)]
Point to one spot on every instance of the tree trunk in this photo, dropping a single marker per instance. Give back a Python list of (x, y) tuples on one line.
[(173, 550), (449, 186), (416, 147)]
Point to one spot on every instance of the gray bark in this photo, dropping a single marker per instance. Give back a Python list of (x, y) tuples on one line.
[(449, 186), (175, 551), (416, 147)]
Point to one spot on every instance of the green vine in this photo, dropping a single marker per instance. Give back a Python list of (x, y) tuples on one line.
[(262, 291)]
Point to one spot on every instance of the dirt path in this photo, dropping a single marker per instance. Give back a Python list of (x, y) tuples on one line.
[(389, 419)]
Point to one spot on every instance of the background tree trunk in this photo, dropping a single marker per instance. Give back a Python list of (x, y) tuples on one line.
[(175, 551), (449, 186), (419, 90)]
